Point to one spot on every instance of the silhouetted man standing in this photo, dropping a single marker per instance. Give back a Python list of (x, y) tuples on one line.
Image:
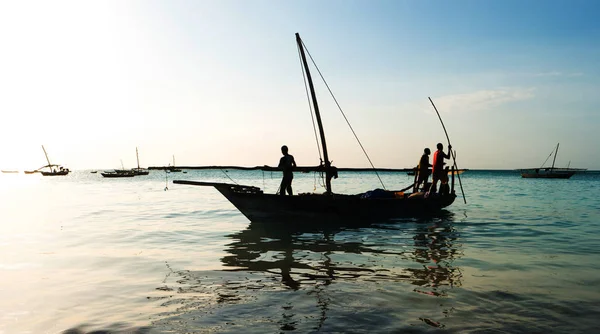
[(438, 166), (286, 164), (423, 169)]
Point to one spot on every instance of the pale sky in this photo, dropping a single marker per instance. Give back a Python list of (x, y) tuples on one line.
[(220, 83)]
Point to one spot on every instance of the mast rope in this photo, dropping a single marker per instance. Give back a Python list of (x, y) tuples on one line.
[(344, 115), (224, 172), (547, 159)]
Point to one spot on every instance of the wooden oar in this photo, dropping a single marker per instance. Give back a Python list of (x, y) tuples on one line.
[(451, 152)]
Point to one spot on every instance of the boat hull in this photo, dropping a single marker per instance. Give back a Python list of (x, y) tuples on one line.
[(558, 175), (134, 171), (59, 173), (118, 174), (548, 173), (257, 206)]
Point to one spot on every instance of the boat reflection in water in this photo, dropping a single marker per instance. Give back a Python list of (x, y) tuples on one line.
[(305, 255), (322, 269)]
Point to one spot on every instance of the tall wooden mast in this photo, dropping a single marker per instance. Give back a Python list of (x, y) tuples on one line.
[(137, 157), (317, 114), (46, 154), (555, 154)]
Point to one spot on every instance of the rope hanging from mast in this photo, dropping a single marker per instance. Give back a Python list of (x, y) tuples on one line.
[(342, 112), (547, 159)]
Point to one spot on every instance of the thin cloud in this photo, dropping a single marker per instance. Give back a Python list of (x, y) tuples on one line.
[(558, 74), (481, 100)]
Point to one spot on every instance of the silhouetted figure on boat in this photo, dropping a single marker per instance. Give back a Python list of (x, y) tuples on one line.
[(437, 170), (423, 169), (444, 186), (286, 164)]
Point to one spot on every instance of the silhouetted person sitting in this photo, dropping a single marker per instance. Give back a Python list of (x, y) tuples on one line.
[(444, 186), (423, 169), (438, 171), (286, 164)]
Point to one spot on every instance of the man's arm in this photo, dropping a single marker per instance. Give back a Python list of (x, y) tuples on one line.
[(449, 155)]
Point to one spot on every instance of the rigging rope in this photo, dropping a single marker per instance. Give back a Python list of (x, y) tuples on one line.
[(224, 172), (344, 115), (547, 159)]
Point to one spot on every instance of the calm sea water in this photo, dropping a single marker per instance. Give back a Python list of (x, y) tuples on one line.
[(82, 253)]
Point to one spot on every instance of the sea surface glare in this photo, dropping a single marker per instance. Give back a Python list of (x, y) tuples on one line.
[(83, 253)]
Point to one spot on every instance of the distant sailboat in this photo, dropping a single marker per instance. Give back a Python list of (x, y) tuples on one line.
[(138, 170), (52, 170), (119, 172), (174, 169), (550, 172)]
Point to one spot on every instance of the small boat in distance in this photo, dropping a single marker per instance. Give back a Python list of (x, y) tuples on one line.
[(10, 171), (52, 169), (118, 173), (138, 170), (173, 169), (550, 172)]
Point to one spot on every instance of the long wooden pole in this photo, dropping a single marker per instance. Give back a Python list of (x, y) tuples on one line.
[(451, 153), (554, 160), (46, 154), (317, 114), (137, 157)]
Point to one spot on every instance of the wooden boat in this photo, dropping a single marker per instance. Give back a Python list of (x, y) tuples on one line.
[(138, 170), (327, 207), (52, 169), (550, 172), (173, 169), (118, 173), (55, 170)]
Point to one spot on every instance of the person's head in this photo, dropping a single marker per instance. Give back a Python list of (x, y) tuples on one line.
[(440, 146), (427, 151), (284, 149)]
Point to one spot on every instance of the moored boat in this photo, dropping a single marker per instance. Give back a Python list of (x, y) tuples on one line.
[(173, 169), (138, 170), (118, 173), (51, 169), (550, 172)]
